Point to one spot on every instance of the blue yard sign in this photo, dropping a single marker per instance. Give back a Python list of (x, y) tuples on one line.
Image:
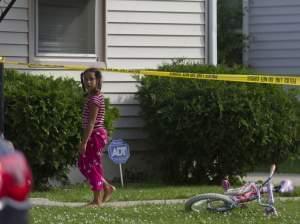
[(118, 151)]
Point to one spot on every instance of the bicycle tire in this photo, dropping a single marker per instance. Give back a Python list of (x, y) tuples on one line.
[(205, 201)]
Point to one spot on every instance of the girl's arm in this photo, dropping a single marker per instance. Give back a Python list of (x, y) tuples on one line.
[(90, 126)]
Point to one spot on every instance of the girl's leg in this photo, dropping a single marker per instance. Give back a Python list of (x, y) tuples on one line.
[(108, 190), (97, 184), (98, 198)]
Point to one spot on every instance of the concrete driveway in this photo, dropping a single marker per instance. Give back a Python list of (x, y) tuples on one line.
[(295, 178)]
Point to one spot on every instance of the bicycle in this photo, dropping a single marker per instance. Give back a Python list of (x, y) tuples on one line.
[(237, 197)]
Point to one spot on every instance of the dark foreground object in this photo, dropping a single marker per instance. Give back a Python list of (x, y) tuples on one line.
[(15, 185)]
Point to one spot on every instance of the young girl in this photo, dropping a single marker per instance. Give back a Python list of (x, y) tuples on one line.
[(94, 137)]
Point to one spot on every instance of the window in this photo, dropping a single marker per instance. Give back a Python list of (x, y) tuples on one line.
[(66, 30)]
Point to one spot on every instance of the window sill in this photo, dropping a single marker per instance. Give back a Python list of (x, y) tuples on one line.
[(58, 63)]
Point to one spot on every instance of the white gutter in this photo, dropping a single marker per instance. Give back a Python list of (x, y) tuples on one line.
[(246, 31), (212, 32)]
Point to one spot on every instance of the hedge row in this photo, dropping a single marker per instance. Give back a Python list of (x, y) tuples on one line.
[(205, 130), (43, 119)]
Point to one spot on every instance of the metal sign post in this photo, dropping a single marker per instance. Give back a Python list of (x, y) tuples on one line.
[(1, 97), (121, 175), (118, 152)]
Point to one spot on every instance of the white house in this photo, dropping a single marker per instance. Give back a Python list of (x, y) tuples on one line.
[(115, 34), (273, 30)]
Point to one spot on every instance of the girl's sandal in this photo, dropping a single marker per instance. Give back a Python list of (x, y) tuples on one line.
[(108, 190)]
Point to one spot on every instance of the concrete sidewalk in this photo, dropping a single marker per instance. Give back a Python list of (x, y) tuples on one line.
[(121, 204), (47, 202)]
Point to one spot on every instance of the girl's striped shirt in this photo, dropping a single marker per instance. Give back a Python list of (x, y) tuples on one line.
[(97, 100)]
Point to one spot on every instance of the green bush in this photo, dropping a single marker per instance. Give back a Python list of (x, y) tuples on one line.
[(43, 119), (205, 130)]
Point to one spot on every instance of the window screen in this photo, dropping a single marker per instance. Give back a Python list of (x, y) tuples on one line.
[(66, 26)]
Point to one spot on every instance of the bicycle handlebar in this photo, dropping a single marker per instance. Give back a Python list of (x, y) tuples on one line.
[(273, 168), (272, 171)]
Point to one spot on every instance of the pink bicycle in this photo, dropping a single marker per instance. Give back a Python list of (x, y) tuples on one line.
[(237, 197)]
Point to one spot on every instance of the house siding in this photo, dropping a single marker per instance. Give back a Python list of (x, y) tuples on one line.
[(143, 33), (274, 36), (14, 33), (139, 34)]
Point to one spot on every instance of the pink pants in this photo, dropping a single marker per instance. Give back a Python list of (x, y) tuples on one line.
[(89, 163)]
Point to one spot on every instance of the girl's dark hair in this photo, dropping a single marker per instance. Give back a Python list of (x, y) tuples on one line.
[(97, 74)]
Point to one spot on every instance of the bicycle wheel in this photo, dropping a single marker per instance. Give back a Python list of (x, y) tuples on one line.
[(210, 201)]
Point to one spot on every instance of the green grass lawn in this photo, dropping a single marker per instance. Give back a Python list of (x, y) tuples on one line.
[(144, 214), (164, 214)]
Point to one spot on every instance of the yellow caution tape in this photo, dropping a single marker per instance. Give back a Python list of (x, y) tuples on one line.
[(263, 79)]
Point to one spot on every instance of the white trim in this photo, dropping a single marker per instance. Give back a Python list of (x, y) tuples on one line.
[(105, 30), (36, 27), (206, 41), (65, 55), (31, 30), (246, 31), (101, 31), (212, 39), (96, 29)]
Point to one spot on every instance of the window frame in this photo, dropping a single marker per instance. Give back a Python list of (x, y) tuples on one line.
[(97, 59)]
